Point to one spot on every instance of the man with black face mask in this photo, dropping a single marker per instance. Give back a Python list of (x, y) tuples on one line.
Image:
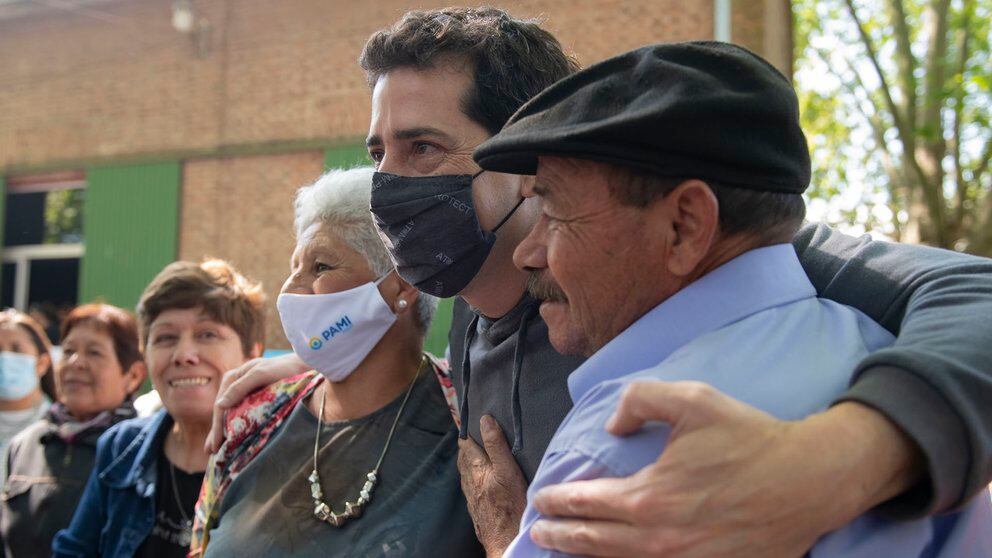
[(444, 81)]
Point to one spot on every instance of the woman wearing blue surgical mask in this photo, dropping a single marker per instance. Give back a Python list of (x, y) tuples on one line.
[(356, 457), (27, 384)]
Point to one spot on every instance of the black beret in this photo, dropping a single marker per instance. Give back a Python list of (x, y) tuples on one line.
[(704, 109)]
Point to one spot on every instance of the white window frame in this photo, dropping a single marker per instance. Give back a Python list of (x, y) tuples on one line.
[(22, 256)]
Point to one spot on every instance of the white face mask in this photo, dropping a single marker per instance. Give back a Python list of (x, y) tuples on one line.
[(334, 332)]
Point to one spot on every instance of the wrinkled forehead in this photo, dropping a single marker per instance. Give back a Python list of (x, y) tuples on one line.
[(559, 177)]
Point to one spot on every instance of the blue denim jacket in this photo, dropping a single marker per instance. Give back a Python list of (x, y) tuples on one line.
[(117, 510)]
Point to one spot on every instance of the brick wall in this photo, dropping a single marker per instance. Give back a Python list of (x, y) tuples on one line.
[(118, 80), (114, 81)]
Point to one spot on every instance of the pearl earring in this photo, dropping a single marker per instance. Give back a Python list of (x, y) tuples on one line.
[(402, 304)]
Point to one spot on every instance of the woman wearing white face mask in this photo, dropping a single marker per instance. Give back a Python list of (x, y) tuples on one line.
[(358, 456), (27, 383)]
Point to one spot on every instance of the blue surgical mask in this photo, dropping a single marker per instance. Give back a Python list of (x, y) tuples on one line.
[(18, 376)]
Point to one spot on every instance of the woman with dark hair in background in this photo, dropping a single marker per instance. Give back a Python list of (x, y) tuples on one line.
[(50, 461), (27, 386)]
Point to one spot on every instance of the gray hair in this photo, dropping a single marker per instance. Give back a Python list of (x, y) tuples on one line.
[(341, 198)]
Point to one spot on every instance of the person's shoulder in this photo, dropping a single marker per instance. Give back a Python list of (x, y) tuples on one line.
[(260, 406), (835, 318), (584, 429), (28, 441), (440, 368), (32, 434)]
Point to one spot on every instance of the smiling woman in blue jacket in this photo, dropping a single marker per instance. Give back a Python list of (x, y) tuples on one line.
[(197, 321)]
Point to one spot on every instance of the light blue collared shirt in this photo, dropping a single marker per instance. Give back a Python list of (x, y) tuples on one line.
[(753, 329)]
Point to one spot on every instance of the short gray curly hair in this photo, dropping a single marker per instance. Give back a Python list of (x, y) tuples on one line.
[(341, 198)]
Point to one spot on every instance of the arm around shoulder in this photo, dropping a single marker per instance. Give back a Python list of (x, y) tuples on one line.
[(935, 381)]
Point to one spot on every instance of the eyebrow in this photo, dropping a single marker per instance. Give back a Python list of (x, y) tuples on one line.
[(410, 133)]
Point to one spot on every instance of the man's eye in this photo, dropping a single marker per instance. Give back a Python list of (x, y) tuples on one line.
[(422, 148), (321, 267), (376, 155)]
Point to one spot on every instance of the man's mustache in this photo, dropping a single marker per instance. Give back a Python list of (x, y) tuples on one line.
[(542, 287)]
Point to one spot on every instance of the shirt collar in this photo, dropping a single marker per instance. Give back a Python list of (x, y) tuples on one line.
[(135, 465), (754, 281)]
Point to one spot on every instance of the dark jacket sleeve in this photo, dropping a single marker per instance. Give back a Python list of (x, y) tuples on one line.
[(81, 539), (935, 382)]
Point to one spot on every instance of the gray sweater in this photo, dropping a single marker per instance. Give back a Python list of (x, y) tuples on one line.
[(935, 382)]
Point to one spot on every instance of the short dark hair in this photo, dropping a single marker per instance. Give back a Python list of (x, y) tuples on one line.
[(768, 216), (116, 322), (213, 285), (512, 59)]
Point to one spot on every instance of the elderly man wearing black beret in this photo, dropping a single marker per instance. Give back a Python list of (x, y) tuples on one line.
[(919, 438), (670, 179)]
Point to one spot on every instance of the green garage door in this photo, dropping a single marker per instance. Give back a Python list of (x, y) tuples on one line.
[(131, 223)]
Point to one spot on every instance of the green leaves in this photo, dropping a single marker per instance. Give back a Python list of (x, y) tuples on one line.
[(855, 85)]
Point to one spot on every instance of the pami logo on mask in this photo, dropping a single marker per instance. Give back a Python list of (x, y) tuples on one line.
[(340, 326)]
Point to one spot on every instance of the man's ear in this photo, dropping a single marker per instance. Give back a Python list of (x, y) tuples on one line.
[(135, 375), (695, 220)]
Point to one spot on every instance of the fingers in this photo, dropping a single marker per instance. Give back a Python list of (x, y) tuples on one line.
[(589, 538), (496, 447), (470, 455), (658, 401), (256, 373), (251, 380), (472, 463), (593, 499), (230, 378), (216, 435)]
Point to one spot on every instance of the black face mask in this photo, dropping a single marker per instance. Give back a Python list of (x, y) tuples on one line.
[(433, 234)]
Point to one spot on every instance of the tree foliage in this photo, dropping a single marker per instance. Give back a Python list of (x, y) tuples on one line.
[(896, 98)]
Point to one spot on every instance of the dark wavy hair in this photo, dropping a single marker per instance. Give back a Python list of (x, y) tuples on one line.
[(511, 59)]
